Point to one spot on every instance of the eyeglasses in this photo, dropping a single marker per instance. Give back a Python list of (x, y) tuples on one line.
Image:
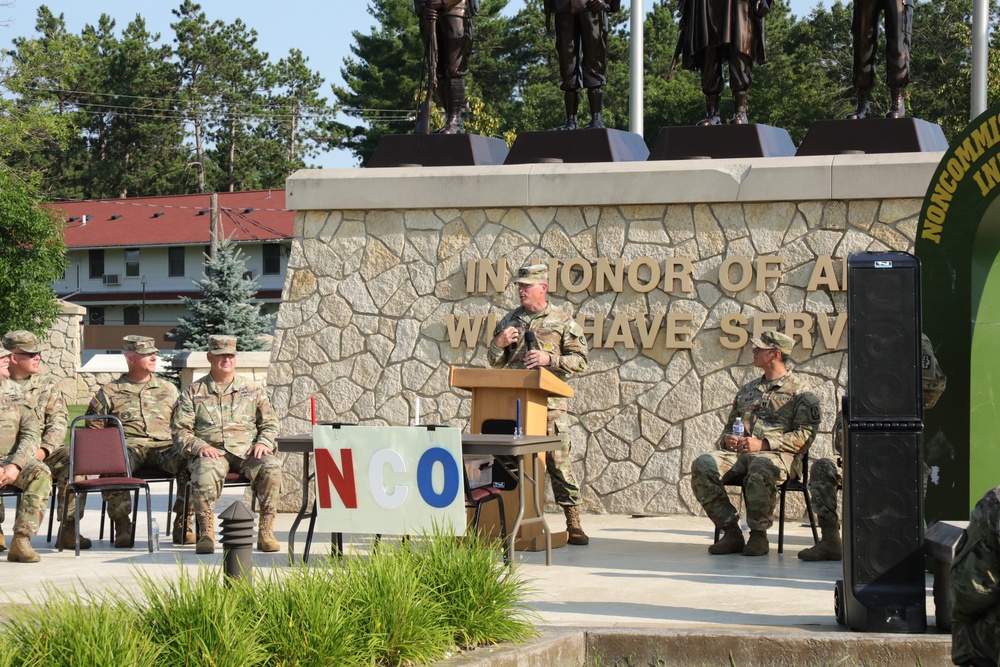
[(29, 355)]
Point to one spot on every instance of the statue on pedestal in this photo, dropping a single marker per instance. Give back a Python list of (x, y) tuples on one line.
[(446, 30), (582, 46), (717, 32), (898, 27)]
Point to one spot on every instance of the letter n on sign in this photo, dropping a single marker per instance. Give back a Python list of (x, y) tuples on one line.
[(391, 480)]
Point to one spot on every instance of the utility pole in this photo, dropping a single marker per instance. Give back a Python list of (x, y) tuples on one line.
[(213, 225)]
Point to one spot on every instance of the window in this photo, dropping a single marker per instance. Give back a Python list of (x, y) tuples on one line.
[(272, 259), (96, 315), (132, 263), (175, 262), (131, 315), (97, 264)]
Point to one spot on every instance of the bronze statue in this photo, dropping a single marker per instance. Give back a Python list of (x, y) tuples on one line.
[(582, 47), (864, 28), (446, 30), (717, 32)]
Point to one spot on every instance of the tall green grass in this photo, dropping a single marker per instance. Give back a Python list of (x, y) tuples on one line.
[(405, 603)]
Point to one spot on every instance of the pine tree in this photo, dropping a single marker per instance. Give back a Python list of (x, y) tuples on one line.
[(226, 306)]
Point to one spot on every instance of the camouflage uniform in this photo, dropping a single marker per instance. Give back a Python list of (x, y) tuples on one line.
[(975, 586), (42, 394), (825, 475), (780, 411), (19, 440), (232, 419), (562, 337), (144, 409)]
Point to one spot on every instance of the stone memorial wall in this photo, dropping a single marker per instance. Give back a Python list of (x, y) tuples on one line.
[(398, 274)]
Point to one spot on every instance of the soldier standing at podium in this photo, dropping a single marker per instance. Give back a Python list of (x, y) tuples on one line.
[(560, 347)]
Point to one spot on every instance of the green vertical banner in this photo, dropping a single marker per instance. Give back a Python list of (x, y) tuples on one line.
[(958, 241)]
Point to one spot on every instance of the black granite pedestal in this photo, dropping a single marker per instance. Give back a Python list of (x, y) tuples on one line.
[(437, 150), (686, 142), (603, 145), (872, 135)]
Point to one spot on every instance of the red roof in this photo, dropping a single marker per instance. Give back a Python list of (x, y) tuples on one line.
[(258, 215)]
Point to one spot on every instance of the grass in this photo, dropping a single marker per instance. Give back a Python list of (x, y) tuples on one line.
[(74, 412), (406, 603)]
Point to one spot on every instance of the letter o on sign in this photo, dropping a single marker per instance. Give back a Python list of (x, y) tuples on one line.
[(425, 469)]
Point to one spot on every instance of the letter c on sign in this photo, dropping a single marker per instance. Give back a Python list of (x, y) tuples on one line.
[(376, 479), (425, 484)]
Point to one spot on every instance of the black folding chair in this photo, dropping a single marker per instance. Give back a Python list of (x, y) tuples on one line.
[(102, 452)]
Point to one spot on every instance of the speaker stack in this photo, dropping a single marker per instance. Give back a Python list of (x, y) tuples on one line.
[(883, 588)]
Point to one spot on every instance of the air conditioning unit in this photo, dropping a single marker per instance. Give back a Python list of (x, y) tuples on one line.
[(250, 275), (111, 279)]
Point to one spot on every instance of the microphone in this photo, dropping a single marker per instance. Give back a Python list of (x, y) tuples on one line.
[(531, 340)]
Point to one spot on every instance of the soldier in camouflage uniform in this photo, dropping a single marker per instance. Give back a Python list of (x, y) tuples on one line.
[(975, 587), (562, 350), (19, 467), (225, 423), (43, 395), (825, 475), (144, 403), (781, 419)]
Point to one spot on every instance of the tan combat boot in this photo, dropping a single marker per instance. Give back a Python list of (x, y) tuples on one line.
[(3, 540), (21, 551), (731, 541), (829, 547), (123, 533), (576, 534), (265, 534), (67, 537), (182, 533), (757, 545), (206, 532)]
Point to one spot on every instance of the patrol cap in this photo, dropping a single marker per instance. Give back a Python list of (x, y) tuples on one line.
[(529, 274), (4, 352), (21, 340), (139, 344), (772, 340), (222, 344)]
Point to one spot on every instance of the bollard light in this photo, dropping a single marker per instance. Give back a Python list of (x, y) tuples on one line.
[(237, 541)]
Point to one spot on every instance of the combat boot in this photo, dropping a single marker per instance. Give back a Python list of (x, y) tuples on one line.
[(757, 545), (829, 547), (731, 542), (265, 534), (123, 533), (576, 534), (864, 101), (182, 533), (3, 540), (455, 124), (21, 551), (206, 532), (897, 107), (740, 114), (595, 97), (571, 99), (67, 537), (711, 111)]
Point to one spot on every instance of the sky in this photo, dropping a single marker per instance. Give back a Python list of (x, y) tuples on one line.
[(321, 29)]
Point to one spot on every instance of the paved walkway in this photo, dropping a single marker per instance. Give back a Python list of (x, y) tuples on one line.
[(636, 572)]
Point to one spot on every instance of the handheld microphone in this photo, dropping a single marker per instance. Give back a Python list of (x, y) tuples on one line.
[(531, 340)]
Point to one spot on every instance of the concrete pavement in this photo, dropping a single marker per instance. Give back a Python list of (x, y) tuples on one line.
[(637, 574)]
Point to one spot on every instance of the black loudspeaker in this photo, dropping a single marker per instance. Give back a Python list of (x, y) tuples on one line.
[(883, 589), (883, 337)]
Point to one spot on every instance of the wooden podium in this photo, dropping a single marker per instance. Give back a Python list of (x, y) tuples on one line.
[(495, 394)]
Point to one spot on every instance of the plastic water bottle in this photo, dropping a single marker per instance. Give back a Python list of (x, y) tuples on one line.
[(738, 429), (156, 535)]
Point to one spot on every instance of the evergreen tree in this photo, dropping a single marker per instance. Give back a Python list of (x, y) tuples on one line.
[(226, 306)]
